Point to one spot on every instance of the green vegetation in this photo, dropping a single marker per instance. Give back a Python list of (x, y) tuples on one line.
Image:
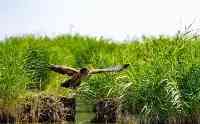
[(163, 78), (36, 63)]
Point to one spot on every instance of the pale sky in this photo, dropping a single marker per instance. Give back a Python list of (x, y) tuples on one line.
[(114, 19)]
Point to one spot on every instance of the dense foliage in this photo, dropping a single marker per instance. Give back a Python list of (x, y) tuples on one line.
[(163, 78)]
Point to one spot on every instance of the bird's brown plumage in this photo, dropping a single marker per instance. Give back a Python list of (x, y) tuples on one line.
[(63, 70), (78, 75)]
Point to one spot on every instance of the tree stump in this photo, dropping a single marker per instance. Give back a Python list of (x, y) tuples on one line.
[(70, 106), (106, 111), (45, 108)]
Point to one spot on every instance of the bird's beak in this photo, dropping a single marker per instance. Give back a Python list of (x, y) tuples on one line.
[(126, 65)]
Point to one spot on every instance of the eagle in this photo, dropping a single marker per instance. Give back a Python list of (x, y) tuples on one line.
[(77, 75)]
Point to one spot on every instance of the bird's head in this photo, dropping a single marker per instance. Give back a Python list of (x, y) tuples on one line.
[(84, 71)]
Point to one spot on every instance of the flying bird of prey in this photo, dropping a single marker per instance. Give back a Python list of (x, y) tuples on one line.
[(78, 75)]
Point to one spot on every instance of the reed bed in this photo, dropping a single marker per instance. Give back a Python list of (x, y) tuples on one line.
[(162, 82)]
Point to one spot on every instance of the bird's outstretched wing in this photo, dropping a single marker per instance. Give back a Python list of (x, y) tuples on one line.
[(63, 70), (116, 68)]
